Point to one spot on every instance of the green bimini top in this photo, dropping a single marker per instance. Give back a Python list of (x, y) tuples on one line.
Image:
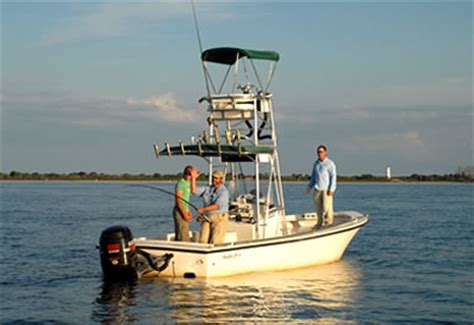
[(227, 153), (228, 55)]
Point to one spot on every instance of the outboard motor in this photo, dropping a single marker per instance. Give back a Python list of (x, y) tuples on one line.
[(118, 256)]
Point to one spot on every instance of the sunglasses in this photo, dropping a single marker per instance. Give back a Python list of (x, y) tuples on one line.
[(321, 151)]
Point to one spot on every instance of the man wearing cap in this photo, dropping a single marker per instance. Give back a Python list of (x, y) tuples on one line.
[(323, 181), (215, 210)]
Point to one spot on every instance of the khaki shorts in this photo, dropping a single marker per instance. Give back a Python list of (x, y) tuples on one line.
[(214, 228)]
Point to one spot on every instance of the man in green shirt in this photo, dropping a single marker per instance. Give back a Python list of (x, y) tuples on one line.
[(181, 213)]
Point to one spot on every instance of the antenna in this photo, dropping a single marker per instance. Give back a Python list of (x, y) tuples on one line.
[(197, 27), (198, 33)]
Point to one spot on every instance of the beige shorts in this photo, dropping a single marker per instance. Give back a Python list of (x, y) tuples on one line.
[(214, 228)]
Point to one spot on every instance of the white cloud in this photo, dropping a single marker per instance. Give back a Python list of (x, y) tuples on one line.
[(109, 20), (98, 111), (408, 145), (164, 107), (446, 92), (96, 122), (453, 91), (415, 101)]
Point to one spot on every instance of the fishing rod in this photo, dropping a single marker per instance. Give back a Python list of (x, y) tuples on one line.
[(166, 192), (200, 217), (198, 34)]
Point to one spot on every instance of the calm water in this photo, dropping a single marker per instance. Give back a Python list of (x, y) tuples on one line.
[(413, 262)]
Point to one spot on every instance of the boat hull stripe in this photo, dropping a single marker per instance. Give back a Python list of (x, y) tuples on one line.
[(233, 248)]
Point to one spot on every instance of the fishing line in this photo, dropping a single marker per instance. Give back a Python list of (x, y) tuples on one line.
[(165, 191)]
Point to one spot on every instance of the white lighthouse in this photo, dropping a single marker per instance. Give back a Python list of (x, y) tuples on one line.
[(389, 172)]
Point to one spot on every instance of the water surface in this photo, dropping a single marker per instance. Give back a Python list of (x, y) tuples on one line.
[(413, 261)]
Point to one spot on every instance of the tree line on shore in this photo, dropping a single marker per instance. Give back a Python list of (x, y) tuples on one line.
[(94, 176)]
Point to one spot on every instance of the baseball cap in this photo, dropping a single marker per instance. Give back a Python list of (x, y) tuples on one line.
[(218, 174)]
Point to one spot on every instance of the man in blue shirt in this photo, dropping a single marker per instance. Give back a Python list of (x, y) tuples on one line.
[(215, 210), (323, 181)]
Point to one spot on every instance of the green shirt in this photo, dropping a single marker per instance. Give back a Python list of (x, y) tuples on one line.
[(184, 187)]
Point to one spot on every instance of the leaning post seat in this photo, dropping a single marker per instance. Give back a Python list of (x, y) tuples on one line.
[(238, 106), (232, 106)]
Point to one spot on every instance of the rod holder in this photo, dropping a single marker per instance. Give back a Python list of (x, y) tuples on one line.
[(200, 146), (239, 146), (168, 149), (217, 136), (205, 136), (228, 137), (156, 148)]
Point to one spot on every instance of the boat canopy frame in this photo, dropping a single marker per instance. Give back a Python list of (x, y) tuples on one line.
[(231, 56), (241, 129)]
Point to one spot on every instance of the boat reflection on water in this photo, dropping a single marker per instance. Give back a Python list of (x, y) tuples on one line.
[(320, 293), (114, 301)]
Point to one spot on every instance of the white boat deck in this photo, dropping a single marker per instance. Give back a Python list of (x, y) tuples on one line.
[(296, 225)]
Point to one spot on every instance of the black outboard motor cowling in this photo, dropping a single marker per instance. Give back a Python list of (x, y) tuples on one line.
[(118, 255)]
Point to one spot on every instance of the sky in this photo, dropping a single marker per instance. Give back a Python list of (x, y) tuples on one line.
[(89, 86)]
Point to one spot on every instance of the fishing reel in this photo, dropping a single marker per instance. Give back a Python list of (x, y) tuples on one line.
[(201, 218)]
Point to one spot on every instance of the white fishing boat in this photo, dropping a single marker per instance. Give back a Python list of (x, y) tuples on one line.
[(240, 139)]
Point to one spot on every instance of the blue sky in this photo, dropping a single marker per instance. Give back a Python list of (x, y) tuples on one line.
[(90, 86)]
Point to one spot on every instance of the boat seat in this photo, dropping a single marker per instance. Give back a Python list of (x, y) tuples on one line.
[(232, 106), (230, 237)]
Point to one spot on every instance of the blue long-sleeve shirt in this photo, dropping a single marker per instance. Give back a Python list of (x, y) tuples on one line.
[(219, 196), (323, 176)]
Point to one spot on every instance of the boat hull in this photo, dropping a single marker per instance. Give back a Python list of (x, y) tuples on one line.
[(298, 250)]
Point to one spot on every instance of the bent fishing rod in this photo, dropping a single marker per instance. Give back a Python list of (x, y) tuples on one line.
[(166, 192), (200, 217)]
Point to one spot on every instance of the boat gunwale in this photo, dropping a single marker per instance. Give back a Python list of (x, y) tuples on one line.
[(359, 221)]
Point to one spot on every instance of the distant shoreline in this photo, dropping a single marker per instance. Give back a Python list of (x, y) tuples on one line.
[(16, 176), (87, 181)]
